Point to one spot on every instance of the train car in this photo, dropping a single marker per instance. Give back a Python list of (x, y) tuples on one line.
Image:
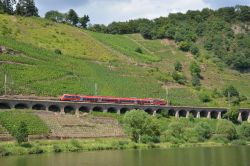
[(117, 100)]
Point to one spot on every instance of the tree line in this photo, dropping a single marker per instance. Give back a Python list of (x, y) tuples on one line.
[(22, 7), (71, 17), (223, 32), (28, 8)]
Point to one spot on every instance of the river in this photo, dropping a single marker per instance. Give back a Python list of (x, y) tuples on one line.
[(215, 156)]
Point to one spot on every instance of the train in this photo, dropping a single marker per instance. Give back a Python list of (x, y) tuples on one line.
[(115, 100)]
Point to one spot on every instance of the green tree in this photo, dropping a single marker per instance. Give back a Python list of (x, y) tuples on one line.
[(72, 17), (227, 129), (8, 6), (55, 16), (139, 124), (84, 20), (22, 133), (231, 91), (26, 8)]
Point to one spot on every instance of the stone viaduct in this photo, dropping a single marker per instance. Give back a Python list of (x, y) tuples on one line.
[(80, 107)]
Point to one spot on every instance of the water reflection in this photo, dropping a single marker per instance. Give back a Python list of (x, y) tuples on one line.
[(223, 156)]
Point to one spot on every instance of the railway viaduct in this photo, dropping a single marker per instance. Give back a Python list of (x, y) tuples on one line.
[(80, 107)]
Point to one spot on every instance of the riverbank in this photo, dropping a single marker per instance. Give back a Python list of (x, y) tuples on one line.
[(58, 146)]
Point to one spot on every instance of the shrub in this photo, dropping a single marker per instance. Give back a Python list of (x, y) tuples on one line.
[(244, 130), (204, 97), (179, 77), (184, 46), (227, 129), (22, 133), (138, 50), (194, 50), (178, 66), (58, 51), (36, 150), (203, 130), (139, 124), (57, 149), (220, 138), (231, 91), (4, 152), (176, 129), (196, 81)]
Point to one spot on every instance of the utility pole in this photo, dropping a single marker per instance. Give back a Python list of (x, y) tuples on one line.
[(229, 98), (5, 84), (167, 94), (96, 89)]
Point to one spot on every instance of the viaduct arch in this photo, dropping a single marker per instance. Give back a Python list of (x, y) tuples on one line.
[(78, 108)]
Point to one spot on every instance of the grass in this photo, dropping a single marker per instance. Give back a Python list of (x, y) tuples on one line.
[(11, 120), (110, 61)]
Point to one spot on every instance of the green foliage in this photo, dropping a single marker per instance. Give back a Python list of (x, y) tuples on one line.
[(184, 46), (226, 129), (244, 130), (195, 69), (232, 115), (26, 8), (203, 130), (55, 16), (84, 20), (204, 96), (230, 91), (58, 51), (139, 50), (22, 133), (11, 120), (72, 17), (141, 126), (178, 66), (179, 77)]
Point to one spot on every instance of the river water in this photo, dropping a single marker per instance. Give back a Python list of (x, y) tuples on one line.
[(215, 156)]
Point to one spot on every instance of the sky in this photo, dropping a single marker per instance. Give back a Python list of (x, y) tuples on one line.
[(107, 11)]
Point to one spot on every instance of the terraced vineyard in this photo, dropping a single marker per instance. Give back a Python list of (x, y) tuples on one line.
[(12, 119), (69, 126), (4, 134), (109, 61)]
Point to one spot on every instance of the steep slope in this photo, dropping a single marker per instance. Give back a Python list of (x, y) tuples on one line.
[(110, 61)]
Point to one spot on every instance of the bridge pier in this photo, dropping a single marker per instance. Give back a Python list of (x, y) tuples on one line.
[(240, 117), (219, 115), (62, 111), (248, 118), (198, 115), (209, 115), (188, 113), (177, 115), (119, 111)]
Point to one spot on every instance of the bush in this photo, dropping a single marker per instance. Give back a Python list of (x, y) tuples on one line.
[(194, 50), (57, 149), (22, 133), (203, 130), (4, 152), (179, 78), (220, 138), (176, 129), (196, 81), (226, 129), (231, 91), (138, 50), (184, 46), (36, 150), (244, 130), (58, 51), (178, 66), (204, 97), (139, 124)]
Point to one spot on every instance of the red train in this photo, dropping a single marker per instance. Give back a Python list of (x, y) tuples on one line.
[(118, 100)]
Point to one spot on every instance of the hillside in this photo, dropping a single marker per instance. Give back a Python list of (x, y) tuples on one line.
[(110, 61)]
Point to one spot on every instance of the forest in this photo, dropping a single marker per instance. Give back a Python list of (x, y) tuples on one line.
[(223, 32)]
